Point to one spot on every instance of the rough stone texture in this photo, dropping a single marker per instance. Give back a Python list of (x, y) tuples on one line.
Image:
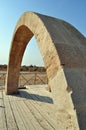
[(63, 50)]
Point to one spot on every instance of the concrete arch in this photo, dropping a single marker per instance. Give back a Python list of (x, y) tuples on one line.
[(62, 48)]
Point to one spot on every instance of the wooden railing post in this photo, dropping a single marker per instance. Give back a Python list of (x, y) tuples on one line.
[(35, 78)]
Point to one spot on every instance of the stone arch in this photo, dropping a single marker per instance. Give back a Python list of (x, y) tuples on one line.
[(62, 48)]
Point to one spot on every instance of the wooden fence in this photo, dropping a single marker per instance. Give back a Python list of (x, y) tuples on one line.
[(27, 78)]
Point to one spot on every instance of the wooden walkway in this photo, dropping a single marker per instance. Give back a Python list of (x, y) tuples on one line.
[(30, 109)]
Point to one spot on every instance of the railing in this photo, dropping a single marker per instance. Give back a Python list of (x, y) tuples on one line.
[(27, 78), (2, 78)]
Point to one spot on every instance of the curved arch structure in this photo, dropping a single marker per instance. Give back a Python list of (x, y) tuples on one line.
[(63, 50)]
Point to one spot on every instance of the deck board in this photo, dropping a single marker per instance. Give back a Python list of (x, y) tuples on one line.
[(18, 116), (43, 109), (3, 123), (11, 122), (38, 115), (30, 109)]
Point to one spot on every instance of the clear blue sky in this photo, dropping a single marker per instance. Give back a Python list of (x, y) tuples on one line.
[(72, 11)]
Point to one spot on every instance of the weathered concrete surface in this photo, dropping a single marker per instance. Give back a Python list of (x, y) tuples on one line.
[(63, 50)]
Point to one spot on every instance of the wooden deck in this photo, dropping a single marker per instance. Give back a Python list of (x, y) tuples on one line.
[(30, 109)]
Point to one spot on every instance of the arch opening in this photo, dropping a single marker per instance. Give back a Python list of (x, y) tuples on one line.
[(32, 55), (33, 71)]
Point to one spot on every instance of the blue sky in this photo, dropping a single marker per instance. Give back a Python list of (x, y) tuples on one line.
[(72, 11)]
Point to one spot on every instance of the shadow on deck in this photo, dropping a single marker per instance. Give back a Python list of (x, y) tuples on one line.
[(35, 97)]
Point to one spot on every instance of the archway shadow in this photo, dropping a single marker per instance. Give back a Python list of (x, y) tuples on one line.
[(26, 95)]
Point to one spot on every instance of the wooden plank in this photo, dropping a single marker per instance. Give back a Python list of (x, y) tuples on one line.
[(23, 114), (47, 113), (27, 117), (2, 113), (46, 109), (22, 109), (43, 99), (37, 114), (11, 123), (17, 114), (30, 114)]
